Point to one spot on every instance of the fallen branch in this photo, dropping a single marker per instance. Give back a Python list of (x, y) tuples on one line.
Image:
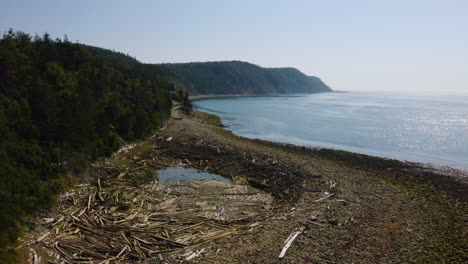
[(289, 241), (138, 168), (42, 237), (323, 198), (195, 254), (36, 259)]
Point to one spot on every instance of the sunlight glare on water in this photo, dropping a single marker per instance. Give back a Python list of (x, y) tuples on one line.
[(425, 128)]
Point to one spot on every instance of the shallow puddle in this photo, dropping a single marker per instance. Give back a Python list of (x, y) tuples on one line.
[(210, 196), (187, 175)]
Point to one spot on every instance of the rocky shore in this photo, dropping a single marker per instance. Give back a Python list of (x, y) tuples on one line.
[(327, 206)]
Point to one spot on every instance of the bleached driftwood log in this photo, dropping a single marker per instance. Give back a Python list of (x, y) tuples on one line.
[(323, 198), (289, 241)]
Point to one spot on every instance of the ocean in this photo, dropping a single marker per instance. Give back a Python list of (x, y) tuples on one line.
[(419, 128)]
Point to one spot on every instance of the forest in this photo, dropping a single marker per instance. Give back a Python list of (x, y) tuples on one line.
[(62, 105), (238, 77)]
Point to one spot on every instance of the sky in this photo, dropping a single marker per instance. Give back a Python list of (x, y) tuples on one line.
[(373, 45)]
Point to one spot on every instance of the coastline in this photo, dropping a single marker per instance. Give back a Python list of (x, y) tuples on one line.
[(353, 207), (392, 195), (411, 147), (206, 96)]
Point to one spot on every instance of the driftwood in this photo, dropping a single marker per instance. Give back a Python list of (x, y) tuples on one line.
[(323, 198), (35, 257), (195, 254), (116, 220), (289, 241)]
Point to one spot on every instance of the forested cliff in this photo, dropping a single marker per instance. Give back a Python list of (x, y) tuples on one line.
[(221, 77), (237, 77)]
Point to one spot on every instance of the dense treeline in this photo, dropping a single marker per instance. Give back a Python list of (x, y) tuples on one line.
[(62, 105), (237, 77), (115, 59)]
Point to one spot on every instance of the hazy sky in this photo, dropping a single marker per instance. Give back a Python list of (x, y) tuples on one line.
[(350, 44)]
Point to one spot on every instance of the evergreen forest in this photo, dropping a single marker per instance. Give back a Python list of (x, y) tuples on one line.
[(62, 105)]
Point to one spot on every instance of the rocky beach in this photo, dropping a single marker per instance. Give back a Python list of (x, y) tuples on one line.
[(289, 204)]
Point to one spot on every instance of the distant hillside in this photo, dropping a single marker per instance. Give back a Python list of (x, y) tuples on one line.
[(237, 77), (114, 58), (291, 80), (225, 77)]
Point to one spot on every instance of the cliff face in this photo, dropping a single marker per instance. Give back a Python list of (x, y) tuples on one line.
[(291, 80), (236, 77)]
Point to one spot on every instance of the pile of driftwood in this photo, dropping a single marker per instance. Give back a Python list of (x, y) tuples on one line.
[(115, 220)]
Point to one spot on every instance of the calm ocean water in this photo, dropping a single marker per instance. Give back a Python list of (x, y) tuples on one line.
[(430, 129)]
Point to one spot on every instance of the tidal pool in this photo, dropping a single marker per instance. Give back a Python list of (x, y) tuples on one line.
[(187, 175)]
